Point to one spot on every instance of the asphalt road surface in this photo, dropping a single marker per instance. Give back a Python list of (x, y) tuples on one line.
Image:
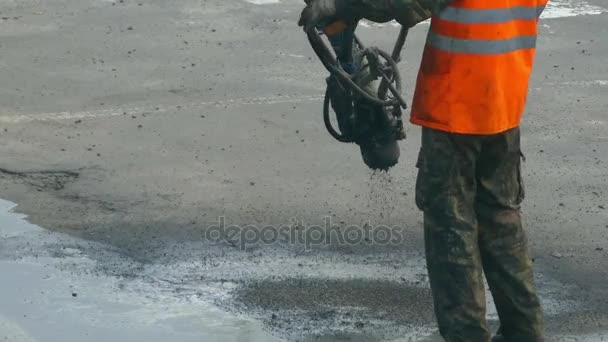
[(130, 131)]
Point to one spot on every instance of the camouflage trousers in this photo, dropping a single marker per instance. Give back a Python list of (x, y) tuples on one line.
[(470, 189)]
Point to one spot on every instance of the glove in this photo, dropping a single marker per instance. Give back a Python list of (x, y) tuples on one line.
[(315, 11)]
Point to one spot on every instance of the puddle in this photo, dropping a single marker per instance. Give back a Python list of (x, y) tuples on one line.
[(52, 292)]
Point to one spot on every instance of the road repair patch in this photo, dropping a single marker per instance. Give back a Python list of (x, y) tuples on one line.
[(218, 293)]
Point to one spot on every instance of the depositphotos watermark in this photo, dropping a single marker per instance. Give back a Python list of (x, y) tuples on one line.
[(308, 235)]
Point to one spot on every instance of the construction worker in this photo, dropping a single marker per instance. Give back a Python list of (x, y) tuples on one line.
[(469, 99)]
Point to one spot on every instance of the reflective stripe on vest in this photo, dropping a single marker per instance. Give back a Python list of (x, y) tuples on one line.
[(477, 65), (481, 46), (491, 16), (485, 16)]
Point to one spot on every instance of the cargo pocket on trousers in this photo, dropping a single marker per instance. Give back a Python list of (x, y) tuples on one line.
[(421, 182), (520, 180)]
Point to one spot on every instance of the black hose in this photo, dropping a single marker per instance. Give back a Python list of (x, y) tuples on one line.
[(396, 57), (327, 121), (333, 66)]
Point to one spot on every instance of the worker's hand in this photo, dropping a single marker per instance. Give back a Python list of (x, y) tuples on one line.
[(315, 11)]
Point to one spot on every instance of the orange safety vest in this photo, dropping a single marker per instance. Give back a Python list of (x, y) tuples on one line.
[(476, 66)]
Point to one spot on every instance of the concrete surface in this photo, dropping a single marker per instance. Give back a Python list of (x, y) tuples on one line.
[(128, 128)]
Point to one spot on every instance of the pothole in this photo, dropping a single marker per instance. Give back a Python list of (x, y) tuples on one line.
[(42, 179)]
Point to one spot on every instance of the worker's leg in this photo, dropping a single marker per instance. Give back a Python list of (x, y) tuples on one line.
[(445, 191), (502, 240)]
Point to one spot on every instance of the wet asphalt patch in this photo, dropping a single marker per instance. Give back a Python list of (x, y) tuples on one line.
[(336, 309), (379, 299)]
